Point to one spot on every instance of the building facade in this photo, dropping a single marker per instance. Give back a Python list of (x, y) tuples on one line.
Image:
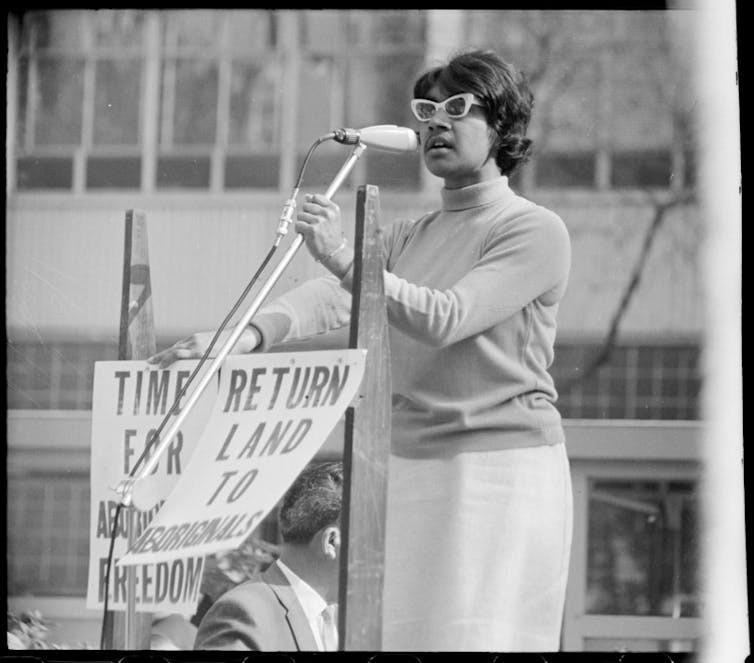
[(202, 118)]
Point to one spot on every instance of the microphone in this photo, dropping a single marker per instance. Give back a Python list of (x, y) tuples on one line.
[(388, 137)]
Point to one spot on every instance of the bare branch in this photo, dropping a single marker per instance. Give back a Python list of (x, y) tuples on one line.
[(661, 208)]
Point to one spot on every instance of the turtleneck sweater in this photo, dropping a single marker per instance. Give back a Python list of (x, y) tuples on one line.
[(472, 293)]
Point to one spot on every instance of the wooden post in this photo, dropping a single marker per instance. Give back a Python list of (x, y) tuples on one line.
[(367, 443), (129, 630)]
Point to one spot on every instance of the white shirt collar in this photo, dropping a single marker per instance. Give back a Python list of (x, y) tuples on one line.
[(311, 601)]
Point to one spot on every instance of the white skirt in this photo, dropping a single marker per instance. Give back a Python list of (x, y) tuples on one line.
[(477, 551)]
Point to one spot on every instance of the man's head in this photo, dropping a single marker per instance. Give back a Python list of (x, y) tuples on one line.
[(309, 515)]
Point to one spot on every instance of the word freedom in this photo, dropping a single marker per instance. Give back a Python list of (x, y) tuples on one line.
[(178, 580)]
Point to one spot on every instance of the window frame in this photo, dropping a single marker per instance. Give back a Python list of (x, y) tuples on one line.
[(633, 451)]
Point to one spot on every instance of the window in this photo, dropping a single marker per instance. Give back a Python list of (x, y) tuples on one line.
[(642, 556), (636, 382), (48, 535), (49, 529), (110, 100), (635, 582), (641, 169), (566, 170), (53, 375)]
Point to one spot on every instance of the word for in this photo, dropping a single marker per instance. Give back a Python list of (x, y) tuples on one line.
[(177, 581), (155, 387), (309, 386), (158, 539), (172, 455)]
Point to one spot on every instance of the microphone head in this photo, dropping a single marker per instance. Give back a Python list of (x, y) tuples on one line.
[(390, 138)]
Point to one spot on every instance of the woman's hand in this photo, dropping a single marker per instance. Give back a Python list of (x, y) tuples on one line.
[(196, 345), (319, 222)]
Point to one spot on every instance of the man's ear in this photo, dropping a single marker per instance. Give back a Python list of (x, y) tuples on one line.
[(330, 542)]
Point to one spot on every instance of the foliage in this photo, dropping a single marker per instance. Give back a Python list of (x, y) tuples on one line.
[(30, 630), (225, 570)]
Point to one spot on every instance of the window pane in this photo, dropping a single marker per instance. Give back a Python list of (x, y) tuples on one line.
[(60, 91), (565, 170), (320, 107), (195, 108), (22, 100), (193, 28), (642, 549), (641, 169), (119, 28), (635, 382), (117, 102), (324, 166), (641, 114), (324, 30), (44, 560), (396, 171), (258, 171), (379, 89), (253, 30), (569, 108), (113, 173), (183, 172), (44, 173), (639, 645), (63, 29), (254, 114), (383, 27)]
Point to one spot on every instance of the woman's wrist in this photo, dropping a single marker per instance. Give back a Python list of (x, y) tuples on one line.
[(343, 244), (248, 340), (340, 260)]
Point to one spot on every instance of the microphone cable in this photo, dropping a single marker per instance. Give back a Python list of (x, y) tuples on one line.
[(282, 229)]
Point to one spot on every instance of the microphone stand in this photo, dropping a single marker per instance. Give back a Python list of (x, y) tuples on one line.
[(125, 488)]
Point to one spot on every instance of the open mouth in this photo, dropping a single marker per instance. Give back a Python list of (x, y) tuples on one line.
[(437, 143)]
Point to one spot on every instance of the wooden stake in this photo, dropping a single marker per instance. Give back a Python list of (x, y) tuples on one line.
[(130, 630), (367, 443)]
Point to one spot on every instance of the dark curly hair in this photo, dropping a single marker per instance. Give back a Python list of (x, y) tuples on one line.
[(503, 90), (312, 502)]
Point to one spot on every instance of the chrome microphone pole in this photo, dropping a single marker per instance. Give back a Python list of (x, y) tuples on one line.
[(126, 487)]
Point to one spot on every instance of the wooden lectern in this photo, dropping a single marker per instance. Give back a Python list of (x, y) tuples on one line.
[(367, 432)]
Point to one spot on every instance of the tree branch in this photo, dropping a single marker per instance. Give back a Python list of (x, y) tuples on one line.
[(603, 354)]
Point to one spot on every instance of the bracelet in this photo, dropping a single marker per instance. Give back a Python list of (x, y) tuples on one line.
[(327, 258), (348, 269)]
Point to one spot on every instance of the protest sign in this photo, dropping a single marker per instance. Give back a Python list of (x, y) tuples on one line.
[(272, 414), (130, 400)]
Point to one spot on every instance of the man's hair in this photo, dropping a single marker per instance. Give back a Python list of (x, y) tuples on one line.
[(501, 88), (312, 502)]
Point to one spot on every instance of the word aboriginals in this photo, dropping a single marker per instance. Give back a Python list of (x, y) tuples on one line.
[(309, 386), (158, 539)]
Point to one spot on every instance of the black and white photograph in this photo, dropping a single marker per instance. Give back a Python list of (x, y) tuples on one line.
[(375, 331)]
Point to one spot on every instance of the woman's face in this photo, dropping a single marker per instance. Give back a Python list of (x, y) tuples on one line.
[(458, 150)]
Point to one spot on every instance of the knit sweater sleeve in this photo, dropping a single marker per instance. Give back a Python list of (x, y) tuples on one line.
[(315, 307), (519, 263)]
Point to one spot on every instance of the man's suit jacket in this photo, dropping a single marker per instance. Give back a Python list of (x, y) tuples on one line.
[(260, 614)]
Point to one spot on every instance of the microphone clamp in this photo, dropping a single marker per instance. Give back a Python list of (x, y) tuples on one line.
[(286, 217), (346, 136)]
